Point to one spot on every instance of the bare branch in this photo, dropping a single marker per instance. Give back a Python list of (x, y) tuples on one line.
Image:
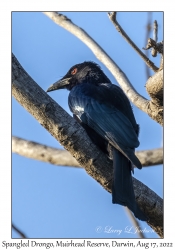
[(134, 222), (148, 29), (74, 138), (44, 153), (156, 46), (19, 231), (138, 100), (150, 157), (154, 87), (112, 17), (155, 37), (61, 157), (155, 31)]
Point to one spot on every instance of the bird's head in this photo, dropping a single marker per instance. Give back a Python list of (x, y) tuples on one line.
[(86, 72)]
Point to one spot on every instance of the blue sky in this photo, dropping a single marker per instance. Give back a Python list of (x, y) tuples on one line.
[(64, 202)]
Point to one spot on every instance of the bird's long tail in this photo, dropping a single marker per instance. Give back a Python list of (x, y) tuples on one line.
[(122, 188)]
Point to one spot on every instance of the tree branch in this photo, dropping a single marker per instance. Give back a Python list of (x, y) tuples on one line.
[(61, 157), (44, 153), (155, 37), (149, 63), (154, 87), (147, 35), (158, 47), (74, 138), (134, 222), (138, 100), (19, 231)]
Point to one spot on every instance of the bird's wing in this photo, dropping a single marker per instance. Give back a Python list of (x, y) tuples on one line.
[(105, 119), (112, 125)]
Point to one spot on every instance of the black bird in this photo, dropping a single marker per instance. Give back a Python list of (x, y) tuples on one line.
[(105, 112)]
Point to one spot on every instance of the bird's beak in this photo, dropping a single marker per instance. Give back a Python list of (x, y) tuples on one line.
[(61, 84)]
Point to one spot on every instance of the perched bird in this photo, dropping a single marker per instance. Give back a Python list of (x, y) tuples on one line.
[(105, 112)]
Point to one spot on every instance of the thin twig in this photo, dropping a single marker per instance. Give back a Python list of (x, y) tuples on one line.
[(155, 31), (148, 29), (19, 231), (135, 223), (155, 37), (112, 17), (61, 157)]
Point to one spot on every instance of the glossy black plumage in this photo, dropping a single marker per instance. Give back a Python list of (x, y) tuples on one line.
[(106, 114)]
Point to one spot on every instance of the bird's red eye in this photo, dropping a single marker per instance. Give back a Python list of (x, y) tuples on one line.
[(74, 71)]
